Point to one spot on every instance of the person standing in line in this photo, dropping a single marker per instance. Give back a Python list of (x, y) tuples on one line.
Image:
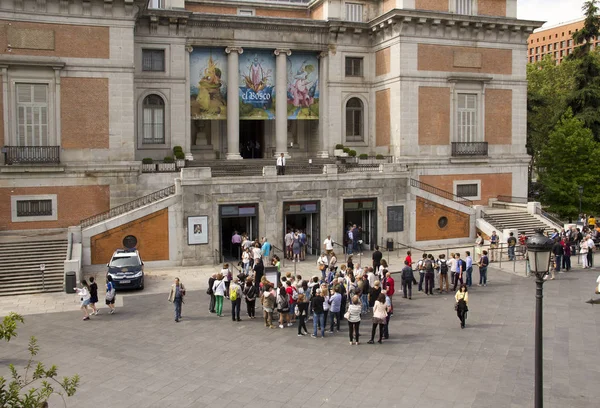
[(453, 265), (219, 293), (322, 263), (428, 268), (268, 300), (469, 269), (84, 293), (462, 303), (317, 308), (494, 241), (390, 290), (558, 251), (421, 269), (288, 241), (374, 293), (566, 261), (407, 280), (443, 265), (353, 314), (333, 261), (365, 288), (379, 318), (209, 291), (256, 253), (250, 294), (388, 303), (235, 295), (303, 243), (93, 295), (296, 247), (265, 250), (227, 277), (176, 297), (335, 304), (236, 245), (246, 261), (460, 267), (512, 243), (483, 265), (376, 257), (281, 165), (111, 294), (292, 291), (350, 241), (301, 311), (583, 251), (259, 271), (479, 245), (591, 248), (283, 307)]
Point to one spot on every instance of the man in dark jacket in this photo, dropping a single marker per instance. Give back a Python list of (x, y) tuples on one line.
[(211, 281), (407, 280), (316, 307), (377, 255), (558, 251)]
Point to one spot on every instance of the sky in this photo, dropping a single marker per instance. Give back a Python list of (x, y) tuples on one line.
[(552, 11)]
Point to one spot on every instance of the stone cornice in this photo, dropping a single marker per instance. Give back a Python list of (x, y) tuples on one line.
[(252, 4), (257, 23)]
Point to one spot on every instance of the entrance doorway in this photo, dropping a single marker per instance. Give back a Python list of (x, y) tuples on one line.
[(252, 139), (362, 212), (304, 216), (242, 218)]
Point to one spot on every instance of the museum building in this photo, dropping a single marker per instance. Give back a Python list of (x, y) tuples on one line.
[(428, 98)]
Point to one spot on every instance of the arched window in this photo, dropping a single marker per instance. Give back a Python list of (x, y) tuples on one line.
[(154, 120), (354, 120)]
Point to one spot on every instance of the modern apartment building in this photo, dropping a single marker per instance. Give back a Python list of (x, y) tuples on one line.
[(89, 88)]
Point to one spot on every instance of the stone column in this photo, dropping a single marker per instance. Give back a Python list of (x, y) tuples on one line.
[(281, 102), (187, 148), (323, 119), (233, 103)]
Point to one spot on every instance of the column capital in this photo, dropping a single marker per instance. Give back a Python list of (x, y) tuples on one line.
[(189, 48), (323, 54), (229, 50), (285, 51)]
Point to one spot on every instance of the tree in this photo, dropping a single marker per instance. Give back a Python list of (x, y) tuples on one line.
[(21, 391), (590, 30), (563, 166)]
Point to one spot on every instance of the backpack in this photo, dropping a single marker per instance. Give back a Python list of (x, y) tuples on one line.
[(233, 294), (428, 266), (294, 293), (443, 266), (303, 239)]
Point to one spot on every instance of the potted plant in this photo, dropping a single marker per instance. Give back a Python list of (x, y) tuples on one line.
[(168, 164), (346, 150), (177, 149), (148, 165), (180, 159), (339, 150), (352, 153), (363, 156), (379, 157)]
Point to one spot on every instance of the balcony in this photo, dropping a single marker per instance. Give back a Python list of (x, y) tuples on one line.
[(460, 149), (31, 154)]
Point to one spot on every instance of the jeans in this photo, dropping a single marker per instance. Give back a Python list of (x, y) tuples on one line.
[(292, 310), (219, 304), (365, 302), (319, 321), (353, 330), (374, 329), (558, 261), (177, 302), (469, 276), (566, 262), (335, 316), (349, 249), (235, 309), (421, 279), (483, 275), (407, 288), (511, 253), (429, 283)]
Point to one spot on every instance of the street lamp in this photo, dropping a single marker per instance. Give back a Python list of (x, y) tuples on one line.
[(539, 249), (580, 189)]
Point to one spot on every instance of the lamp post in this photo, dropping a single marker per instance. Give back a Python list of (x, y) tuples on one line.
[(539, 248), (580, 189)]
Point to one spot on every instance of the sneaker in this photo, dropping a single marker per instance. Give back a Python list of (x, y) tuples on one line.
[(281, 326), (271, 327), (330, 332), (352, 343), (370, 342), (300, 335), (313, 336), (290, 324), (112, 311), (86, 318)]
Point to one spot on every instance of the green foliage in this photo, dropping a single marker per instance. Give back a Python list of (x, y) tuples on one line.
[(339, 146), (33, 388), (584, 99), (564, 165), (590, 30), (346, 150), (363, 156), (168, 159), (352, 153), (8, 327), (379, 156), (147, 160), (180, 155), (177, 149)]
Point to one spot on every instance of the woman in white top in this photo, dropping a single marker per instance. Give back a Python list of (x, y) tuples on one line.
[(84, 292), (353, 317), (380, 311), (590, 254), (219, 291), (322, 263), (246, 262), (583, 251)]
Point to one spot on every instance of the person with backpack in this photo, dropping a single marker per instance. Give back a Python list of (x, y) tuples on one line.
[(176, 297), (460, 267), (250, 293), (407, 280), (235, 295), (443, 271), (483, 265), (421, 269), (111, 294), (84, 293), (428, 267), (93, 295)]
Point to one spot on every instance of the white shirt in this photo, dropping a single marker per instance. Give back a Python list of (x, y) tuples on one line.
[(328, 244), (453, 265), (280, 161), (219, 288)]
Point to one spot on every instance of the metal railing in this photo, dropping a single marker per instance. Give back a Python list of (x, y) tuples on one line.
[(509, 199), (369, 160), (441, 193), (358, 168), (552, 218), (469, 148), (31, 154), (130, 206), (274, 250)]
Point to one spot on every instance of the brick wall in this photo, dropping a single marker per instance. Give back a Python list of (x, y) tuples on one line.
[(151, 231), (388, 5), (1, 114), (428, 215), (382, 125), (54, 40), (84, 113), (498, 116), (318, 13), (433, 57), (74, 204), (282, 13), (434, 116), (492, 185), (382, 61), (491, 8), (432, 5), (204, 8)]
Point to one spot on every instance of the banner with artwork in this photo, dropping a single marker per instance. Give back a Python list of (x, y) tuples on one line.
[(302, 86), (257, 84), (208, 83)]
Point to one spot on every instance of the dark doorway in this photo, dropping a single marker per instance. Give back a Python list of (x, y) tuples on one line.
[(363, 213), (242, 218), (304, 216), (252, 139)]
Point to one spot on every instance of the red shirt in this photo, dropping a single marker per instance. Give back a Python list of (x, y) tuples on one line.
[(290, 291), (390, 286), (408, 259)]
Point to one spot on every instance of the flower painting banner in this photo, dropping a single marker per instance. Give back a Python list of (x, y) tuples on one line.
[(257, 84), (208, 83), (303, 86)]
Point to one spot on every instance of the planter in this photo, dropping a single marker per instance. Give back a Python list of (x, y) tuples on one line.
[(167, 167), (180, 163), (339, 153), (148, 168)]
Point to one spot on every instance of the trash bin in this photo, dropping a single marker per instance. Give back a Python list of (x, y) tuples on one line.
[(70, 281), (390, 244)]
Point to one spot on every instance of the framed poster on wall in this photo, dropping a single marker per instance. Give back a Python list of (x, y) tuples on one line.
[(198, 230)]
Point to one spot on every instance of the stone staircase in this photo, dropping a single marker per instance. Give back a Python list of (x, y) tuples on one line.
[(517, 220), (20, 266)]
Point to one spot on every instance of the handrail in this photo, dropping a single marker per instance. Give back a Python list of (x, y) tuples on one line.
[(510, 199), (441, 193), (552, 218), (130, 206), (343, 249), (282, 258)]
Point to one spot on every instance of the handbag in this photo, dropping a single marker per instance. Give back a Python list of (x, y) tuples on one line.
[(347, 315), (297, 311)]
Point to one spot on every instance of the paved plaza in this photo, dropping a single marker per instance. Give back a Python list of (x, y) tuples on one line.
[(139, 357)]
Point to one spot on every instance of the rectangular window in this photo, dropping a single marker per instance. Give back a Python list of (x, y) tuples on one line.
[(555, 54), (153, 60), (31, 208), (537, 50), (530, 59), (464, 7), (467, 117), (555, 45), (32, 114), (549, 47), (467, 190), (562, 44), (246, 12), (569, 43), (34, 208), (354, 66), (354, 12), (157, 4), (531, 51), (543, 48)]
